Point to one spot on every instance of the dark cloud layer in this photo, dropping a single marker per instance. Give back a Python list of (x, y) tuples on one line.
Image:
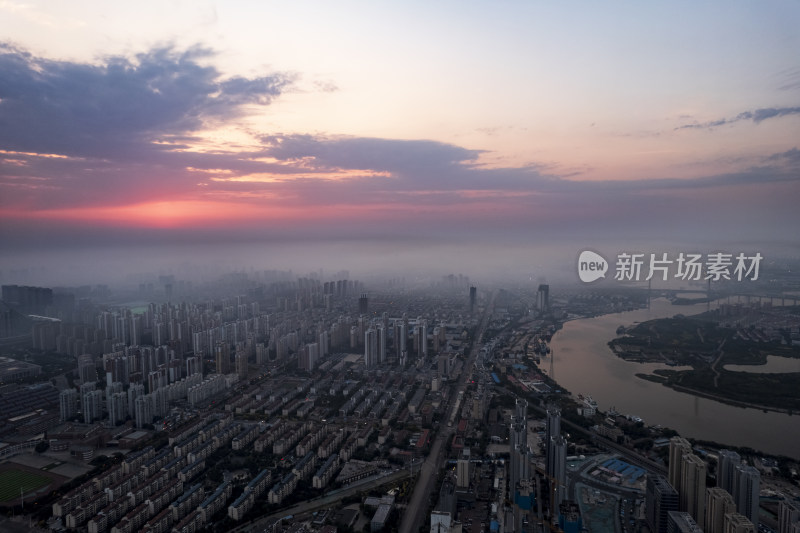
[(757, 116), (119, 106), (354, 152), (121, 124)]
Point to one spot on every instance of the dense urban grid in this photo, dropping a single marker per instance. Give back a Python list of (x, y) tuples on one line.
[(270, 402)]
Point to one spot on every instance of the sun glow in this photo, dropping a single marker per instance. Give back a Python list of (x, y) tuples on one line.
[(161, 214)]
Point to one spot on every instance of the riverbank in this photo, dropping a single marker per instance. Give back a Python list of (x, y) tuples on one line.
[(703, 348), (584, 363), (655, 378)]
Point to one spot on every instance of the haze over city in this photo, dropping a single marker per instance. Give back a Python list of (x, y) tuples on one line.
[(399, 267)]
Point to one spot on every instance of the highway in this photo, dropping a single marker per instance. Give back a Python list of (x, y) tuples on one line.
[(325, 501), (415, 514)]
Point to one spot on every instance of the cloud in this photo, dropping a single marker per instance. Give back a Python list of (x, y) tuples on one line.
[(325, 86), (122, 127), (757, 116), (420, 177), (121, 105), (760, 115), (405, 156), (122, 136), (790, 159), (791, 80)]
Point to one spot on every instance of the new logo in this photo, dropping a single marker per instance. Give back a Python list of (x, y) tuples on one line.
[(591, 266)]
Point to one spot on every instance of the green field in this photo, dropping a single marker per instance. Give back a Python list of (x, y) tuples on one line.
[(12, 480)]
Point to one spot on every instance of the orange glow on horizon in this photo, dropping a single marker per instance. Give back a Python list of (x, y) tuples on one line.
[(199, 213), (158, 214)]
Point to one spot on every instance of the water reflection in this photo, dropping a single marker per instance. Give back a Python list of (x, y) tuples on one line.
[(774, 365), (585, 364)]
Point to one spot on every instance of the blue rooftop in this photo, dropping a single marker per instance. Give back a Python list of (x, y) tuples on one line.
[(624, 469)]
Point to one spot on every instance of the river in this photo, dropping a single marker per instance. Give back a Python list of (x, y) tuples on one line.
[(585, 364)]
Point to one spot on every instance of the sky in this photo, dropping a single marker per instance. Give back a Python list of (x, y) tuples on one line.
[(491, 126)]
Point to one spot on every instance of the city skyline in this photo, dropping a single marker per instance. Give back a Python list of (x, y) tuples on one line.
[(484, 266), (516, 125)]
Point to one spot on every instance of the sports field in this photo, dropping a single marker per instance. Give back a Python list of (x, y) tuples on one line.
[(12, 479)]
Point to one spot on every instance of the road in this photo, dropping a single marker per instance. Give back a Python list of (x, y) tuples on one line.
[(325, 501), (415, 516)]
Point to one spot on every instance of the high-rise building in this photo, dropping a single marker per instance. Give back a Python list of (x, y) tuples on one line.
[(134, 391), (86, 388), (559, 466), (738, 523), (117, 407), (788, 516), (28, 300), (381, 340), (445, 510), (400, 339), (462, 470), (240, 360), (521, 487), (552, 430), (443, 366), (86, 368), (678, 447), (68, 403), (115, 365), (660, 499), (122, 329), (477, 407), (421, 338), (222, 357), (135, 329), (92, 406), (681, 522), (692, 491), (718, 503), (727, 462), (543, 298), (324, 343), (198, 342), (519, 463), (473, 296), (143, 408), (370, 348), (112, 389), (363, 304), (308, 356), (157, 379), (262, 354), (523, 507), (746, 491), (194, 365), (569, 517), (313, 355)]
